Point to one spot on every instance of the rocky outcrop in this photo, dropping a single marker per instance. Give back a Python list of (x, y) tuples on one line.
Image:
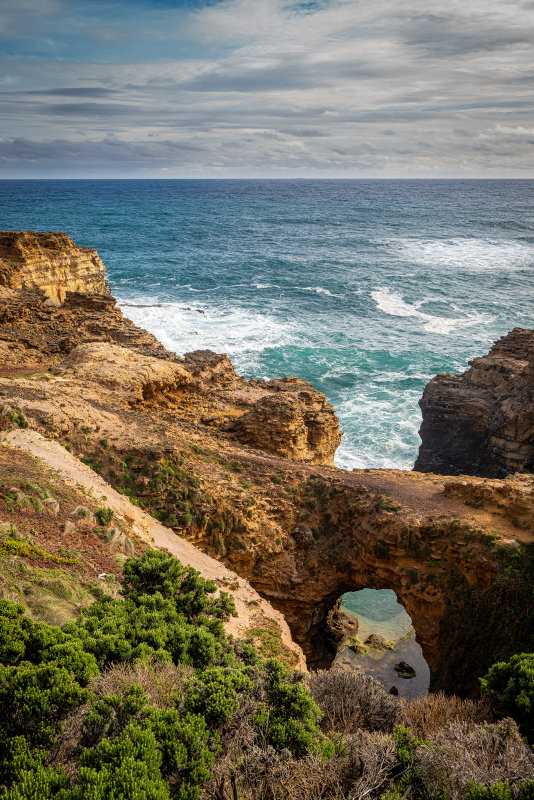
[(482, 422), (56, 302), (50, 262), (35, 331), (291, 420), (132, 375), (242, 470)]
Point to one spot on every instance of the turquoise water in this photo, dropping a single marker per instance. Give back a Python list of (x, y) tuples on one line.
[(378, 611), (366, 288)]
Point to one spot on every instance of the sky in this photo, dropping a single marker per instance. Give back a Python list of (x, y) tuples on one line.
[(266, 88)]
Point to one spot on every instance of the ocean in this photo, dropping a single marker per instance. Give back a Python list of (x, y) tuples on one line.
[(365, 288)]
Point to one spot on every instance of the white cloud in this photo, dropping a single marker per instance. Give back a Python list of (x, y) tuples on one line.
[(263, 86)]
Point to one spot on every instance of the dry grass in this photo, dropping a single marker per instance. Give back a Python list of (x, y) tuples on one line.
[(352, 701), (161, 681), (484, 754), (253, 770), (428, 715)]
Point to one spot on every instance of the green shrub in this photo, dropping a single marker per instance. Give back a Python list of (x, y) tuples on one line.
[(32, 779), (127, 766), (125, 747), (290, 716), (512, 684), (183, 740), (34, 699), (112, 714), (497, 791), (216, 693), (104, 516), (167, 613)]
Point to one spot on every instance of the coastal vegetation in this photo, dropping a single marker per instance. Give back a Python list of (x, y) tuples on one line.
[(144, 697), (126, 675)]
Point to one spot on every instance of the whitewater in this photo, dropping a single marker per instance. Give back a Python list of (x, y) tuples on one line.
[(365, 288)]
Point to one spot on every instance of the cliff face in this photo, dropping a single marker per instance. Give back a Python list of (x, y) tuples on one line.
[(242, 469), (50, 262), (482, 422)]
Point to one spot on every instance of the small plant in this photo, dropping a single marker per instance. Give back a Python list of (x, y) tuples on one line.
[(385, 503), (104, 515), (475, 502), (18, 418)]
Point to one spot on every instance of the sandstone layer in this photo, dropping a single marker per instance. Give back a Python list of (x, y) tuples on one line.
[(50, 262), (482, 422), (242, 470)]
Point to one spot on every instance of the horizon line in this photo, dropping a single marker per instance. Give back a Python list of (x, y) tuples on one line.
[(263, 178)]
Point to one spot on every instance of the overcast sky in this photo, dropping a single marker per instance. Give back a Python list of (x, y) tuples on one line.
[(267, 88)]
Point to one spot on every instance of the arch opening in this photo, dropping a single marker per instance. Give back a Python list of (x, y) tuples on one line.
[(385, 637)]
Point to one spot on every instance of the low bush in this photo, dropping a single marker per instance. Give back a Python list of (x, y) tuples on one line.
[(146, 698), (133, 698), (511, 684), (428, 715), (351, 701)]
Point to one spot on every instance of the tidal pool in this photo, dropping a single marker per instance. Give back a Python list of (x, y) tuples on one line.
[(378, 611)]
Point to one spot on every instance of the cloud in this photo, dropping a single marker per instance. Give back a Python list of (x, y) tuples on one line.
[(72, 91), (269, 86)]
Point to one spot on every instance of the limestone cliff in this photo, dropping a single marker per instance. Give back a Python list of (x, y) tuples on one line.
[(287, 417), (242, 470), (50, 262), (482, 422), (292, 420)]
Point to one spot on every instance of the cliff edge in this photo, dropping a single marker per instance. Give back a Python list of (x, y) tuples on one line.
[(243, 471), (50, 262), (482, 422)]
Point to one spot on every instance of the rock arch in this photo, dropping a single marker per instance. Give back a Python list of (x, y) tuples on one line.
[(356, 537)]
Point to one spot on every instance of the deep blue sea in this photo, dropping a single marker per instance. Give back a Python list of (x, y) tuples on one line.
[(365, 288)]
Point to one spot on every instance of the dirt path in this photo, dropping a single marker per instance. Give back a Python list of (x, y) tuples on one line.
[(252, 609), (422, 494)]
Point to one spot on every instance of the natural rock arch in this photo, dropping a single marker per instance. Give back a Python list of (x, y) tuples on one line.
[(357, 538)]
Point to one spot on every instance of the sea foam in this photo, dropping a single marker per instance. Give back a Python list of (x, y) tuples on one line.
[(225, 329), (471, 254), (392, 303)]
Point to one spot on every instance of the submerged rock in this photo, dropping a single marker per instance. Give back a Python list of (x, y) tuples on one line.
[(404, 670), (377, 642)]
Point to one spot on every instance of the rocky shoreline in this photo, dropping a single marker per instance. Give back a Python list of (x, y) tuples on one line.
[(243, 470)]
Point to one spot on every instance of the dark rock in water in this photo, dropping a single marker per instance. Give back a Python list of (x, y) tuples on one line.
[(394, 690), (404, 670), (377, 642), (482, 422)]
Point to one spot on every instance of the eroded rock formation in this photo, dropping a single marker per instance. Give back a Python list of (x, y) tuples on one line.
[(50, 262), (242, 469), (482, 422), (292, 420)]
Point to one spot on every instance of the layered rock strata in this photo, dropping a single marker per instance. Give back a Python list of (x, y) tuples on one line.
[(193, 443), (50, 262), (482, 422), (293, 420)]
